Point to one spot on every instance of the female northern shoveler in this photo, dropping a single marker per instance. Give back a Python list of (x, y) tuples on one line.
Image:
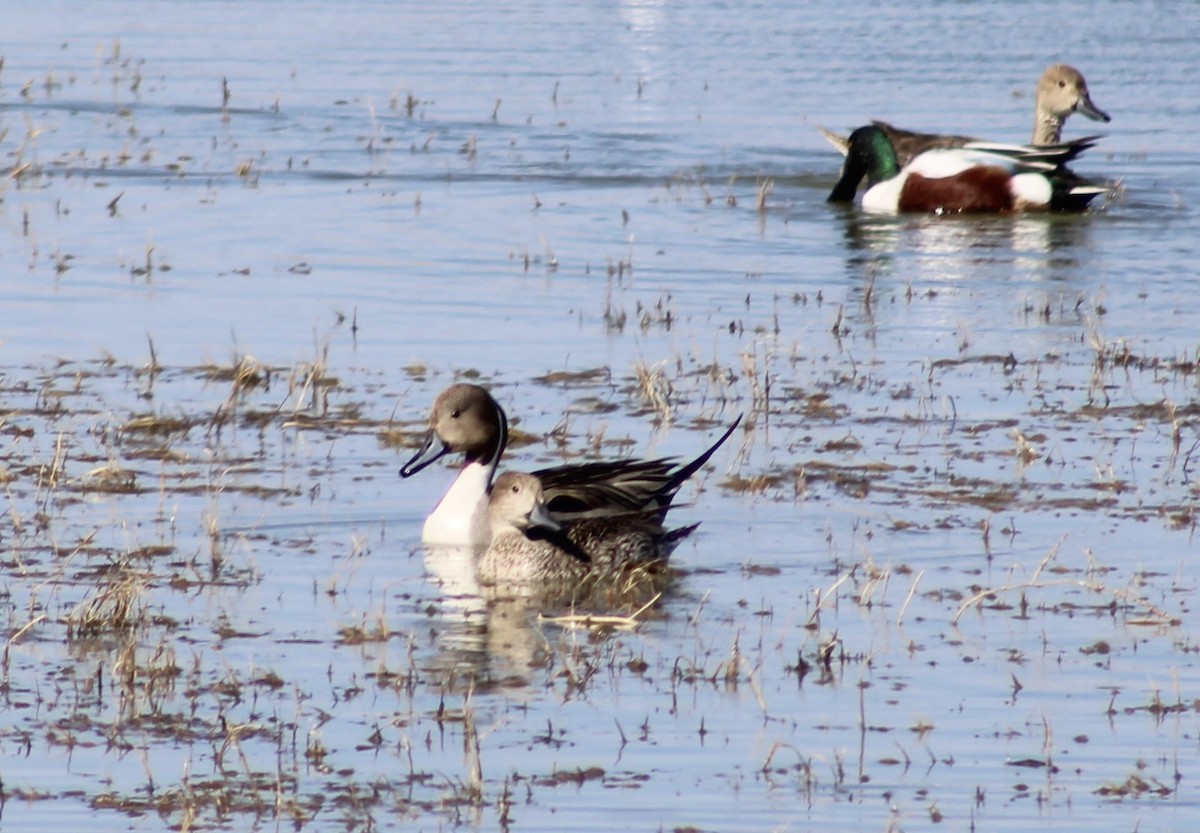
[(976, 178), (1061, 91), (467, 420), (531, 547)]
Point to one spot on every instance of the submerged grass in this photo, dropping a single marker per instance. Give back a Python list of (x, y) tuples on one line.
[(950, 589), (136, 536)]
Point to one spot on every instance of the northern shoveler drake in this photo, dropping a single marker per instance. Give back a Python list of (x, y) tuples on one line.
[(1061, 91), (467, 420), (979, 177), (530, 547)]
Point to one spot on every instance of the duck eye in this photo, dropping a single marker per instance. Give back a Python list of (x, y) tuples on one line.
[(516, 489), (455, 414), (1062, 83)]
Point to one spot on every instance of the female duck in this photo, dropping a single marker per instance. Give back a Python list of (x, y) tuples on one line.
[(531, 547), (467, 420), (976, 178), (1061, 91)]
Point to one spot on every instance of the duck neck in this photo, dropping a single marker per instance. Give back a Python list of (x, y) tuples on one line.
[(490, 459), (461, 515), (1047, 129), (880, 154)]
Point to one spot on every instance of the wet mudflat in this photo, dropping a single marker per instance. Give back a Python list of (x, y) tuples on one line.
[(945, 572)]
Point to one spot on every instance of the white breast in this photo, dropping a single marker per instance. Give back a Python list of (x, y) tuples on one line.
[(460, 518)]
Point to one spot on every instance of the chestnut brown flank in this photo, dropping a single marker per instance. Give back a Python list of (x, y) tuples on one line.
[(983, 188)]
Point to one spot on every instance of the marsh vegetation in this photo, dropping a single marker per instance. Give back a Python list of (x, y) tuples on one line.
[(944, 572)]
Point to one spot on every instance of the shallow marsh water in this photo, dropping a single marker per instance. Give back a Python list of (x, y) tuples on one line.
[(945, 576)]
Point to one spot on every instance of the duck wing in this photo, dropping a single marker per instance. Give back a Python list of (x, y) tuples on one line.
[(910, 144), (1037, 157), (607, 488)]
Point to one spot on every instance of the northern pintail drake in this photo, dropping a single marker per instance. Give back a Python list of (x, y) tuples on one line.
[(467, 420), (979, 177), (532, 548), (1061, 91)]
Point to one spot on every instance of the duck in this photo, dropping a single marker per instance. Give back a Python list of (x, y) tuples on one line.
[(1061, 92), (979, 177), (532, 548), (466, 419)]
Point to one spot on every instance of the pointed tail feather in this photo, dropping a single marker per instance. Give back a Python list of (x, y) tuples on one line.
[(674, 538), (681, 476), (838, 141)]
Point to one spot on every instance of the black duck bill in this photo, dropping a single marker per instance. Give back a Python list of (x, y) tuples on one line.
[(432, 450)]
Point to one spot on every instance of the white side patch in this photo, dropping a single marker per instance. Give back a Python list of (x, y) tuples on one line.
[(1030, 190), (885, 197)]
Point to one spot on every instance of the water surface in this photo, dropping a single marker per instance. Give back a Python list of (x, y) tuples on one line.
[(943, 576)]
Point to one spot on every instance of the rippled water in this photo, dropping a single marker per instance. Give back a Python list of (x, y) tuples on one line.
[(563, 202)]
